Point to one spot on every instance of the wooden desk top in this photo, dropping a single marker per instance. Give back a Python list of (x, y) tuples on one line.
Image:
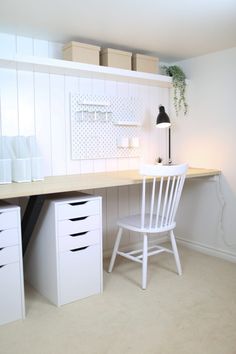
[(69, 183)]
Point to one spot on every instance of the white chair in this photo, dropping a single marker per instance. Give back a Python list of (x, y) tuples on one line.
[(156, 216)]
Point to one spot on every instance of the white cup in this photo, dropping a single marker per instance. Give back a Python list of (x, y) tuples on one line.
[(123, 142), (134, 142), (5, 171)]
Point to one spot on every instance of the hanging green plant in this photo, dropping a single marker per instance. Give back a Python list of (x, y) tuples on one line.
[(179, 85)]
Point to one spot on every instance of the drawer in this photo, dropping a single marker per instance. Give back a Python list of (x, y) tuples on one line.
[(8, 220), (81, 224), (79, 273), (9, 255), (9, 237), (11, 308), (77, 209), (80, 239)]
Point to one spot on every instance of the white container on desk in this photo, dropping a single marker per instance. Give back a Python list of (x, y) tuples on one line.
[(12, 306), (64, 257), (21, 170), (5, 171)]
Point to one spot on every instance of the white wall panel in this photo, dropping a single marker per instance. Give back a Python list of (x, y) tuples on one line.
[(123, 210), (24, 46), (9, 102), (25, 83), (71, 85), (42, 119), (8, 44), (112, 214), (38, 103), (58, 126), (41, 48)]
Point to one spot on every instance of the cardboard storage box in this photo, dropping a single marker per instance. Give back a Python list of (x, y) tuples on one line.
[(81, 52), (116, 58), (145, 63)]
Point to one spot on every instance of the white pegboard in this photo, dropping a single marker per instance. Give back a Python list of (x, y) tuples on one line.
[(98, 123)]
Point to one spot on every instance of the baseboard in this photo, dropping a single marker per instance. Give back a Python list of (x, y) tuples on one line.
[(211, 251), (136, 245)]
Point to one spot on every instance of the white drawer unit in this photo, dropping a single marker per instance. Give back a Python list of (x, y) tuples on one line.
[(63, 260), (12, 303)]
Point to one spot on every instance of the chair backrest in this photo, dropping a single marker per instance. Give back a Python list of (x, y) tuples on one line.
[(167, 184)]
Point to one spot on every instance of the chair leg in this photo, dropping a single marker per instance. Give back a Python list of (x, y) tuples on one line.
[(176, 253), (115, 249), (145, 260)]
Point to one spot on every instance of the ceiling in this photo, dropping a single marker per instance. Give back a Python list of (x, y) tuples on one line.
[(170, 29)]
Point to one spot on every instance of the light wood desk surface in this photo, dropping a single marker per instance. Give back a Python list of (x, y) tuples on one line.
[(69, 183)]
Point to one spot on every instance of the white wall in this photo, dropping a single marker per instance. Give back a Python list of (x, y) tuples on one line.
[(38, 103), (207, 138)]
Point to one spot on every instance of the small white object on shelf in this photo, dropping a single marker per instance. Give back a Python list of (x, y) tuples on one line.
[(134, 142), (123, 142)]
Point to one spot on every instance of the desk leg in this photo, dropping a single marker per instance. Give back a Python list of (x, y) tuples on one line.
[(30, 218)]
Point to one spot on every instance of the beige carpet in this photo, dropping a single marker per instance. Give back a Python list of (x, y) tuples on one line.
[(192, 314)]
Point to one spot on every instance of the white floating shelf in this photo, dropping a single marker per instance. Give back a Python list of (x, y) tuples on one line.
[(127, 123), (64, 67)]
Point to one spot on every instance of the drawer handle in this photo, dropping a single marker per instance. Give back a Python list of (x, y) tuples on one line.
[(78, 203), (79, 234), (81, 218), (1, 249), (1, 266), (79, 249)]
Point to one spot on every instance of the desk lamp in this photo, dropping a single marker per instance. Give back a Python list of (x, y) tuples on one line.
[(163, 121)]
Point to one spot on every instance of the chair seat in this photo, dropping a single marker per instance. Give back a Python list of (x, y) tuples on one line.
[(133, 223)]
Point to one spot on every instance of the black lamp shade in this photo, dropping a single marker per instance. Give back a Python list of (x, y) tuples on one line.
[(163, 120)]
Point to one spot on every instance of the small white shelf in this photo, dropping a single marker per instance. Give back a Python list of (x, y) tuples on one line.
[(64, 67), (128, 123)]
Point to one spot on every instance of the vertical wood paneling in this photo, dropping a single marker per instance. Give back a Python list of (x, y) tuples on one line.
[(135, 208), (123, 210), (25, 82), (9, 102), (71, 85), (41, 48), (86, 87), (23, 120), (58, 126), (98, 87), (24, 46), (99, 165), (112, 215), (8, 45), (123, 164), (111, 164), (42, 119)]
